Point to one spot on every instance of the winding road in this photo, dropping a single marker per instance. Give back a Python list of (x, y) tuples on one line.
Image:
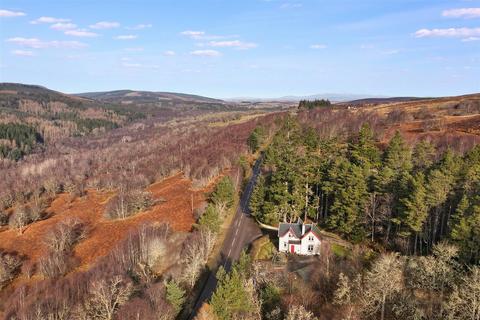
[(241, 233)]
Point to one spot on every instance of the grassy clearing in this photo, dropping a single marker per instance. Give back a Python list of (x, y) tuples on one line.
[(340, 251), (238, 118), (263, 249)]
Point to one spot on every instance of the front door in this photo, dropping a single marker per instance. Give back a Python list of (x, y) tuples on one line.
[(292, 249)]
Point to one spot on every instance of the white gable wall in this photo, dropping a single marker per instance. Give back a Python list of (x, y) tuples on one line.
[(310, 241)]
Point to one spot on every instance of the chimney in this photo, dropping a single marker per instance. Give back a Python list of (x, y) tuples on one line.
[(303, 229)]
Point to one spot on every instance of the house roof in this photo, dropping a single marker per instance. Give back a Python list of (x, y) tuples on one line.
[(296, 228)]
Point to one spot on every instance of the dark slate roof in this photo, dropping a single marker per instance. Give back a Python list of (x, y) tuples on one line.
[(297, 229)]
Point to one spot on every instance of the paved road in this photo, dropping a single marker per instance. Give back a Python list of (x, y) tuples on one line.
[(242, 232)]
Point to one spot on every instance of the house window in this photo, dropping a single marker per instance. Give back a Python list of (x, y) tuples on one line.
[(310, 248), (310, 238), (284, 244), (289, 235)]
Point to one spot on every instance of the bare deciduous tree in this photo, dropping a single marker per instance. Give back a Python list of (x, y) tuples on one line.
[(299, 313), (65, 235), (196, 255), (19, 219), (9, 265), (105, 296), (382, 282), (464, 302)]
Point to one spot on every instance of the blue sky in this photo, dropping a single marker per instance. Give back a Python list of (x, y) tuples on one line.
[(259, 48)]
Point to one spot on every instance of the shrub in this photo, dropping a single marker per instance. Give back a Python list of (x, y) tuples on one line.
[(19, 219), (54, 264), (3, 218), (9, 266), (65, 235), (127, 203)]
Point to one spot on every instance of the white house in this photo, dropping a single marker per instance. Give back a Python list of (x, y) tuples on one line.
[(299, 238)]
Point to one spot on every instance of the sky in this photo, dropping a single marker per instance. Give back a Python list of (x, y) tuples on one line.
[(247, 48)]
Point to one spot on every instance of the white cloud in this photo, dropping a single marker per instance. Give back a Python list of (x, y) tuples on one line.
[(23, 53), (81, 33), (206, 53), (105, 25), (290, 5), (140, 26), (318, 46), (193, 34), (39, 44), (49, 20), (462, 13), (390, 52), (126, 37), (450, 32), (169, 53), (9, 14), (202, 35), (234, 43), (63, 26), (367, 46), (470, 39), (134, 49)]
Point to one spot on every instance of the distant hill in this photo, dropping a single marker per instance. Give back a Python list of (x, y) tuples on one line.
[(146, 97), (334, 97), (384, 100), (32, 115)]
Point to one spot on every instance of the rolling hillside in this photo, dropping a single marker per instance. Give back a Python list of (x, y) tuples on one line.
[(132, 96), (33, 115)]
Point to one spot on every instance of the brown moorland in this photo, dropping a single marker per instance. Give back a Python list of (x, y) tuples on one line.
[(174, 208)]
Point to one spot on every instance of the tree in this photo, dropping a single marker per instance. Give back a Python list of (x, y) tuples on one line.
[(348, 293), (299, 313), (9, 266), (466, 229), (434, 274), (255, 139), (349, 199), (307, 104), (105, 296), (415, 209), (230, 298), (363, 151), (423, 155), (224, 192), (382, 283), (19, 219), (464, 302), (257, 199), (175, 295), (398, 155), (210, 219)]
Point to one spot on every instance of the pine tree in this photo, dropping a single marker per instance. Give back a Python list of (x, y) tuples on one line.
[(466, 230), (258, 198), (363, 151), (210, 219), (415, 210), (350, 196), (224, 192), (423, 155), (175, 295), (230, 297), (398, 155)]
